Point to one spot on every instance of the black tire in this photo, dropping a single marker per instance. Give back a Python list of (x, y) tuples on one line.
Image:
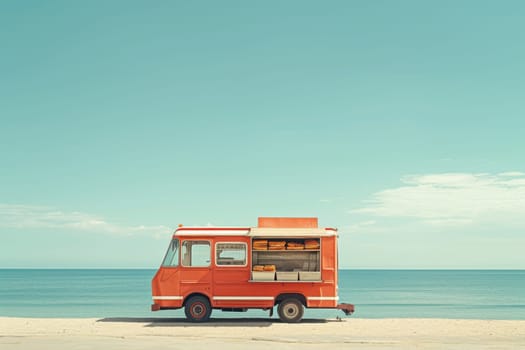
[(290, 310), (197, 309)]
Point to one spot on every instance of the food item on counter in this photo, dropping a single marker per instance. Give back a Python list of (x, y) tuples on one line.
[(269, 267), (260, 244), (311, 244), (277, 245), (294, 246), (258, 267)]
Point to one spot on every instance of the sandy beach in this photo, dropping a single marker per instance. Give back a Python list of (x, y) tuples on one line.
[(240, 333)]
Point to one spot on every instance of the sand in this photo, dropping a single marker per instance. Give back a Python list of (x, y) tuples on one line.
[(254, 334)]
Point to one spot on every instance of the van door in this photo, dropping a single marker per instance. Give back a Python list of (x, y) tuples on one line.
[(195, 272), (231, 274)]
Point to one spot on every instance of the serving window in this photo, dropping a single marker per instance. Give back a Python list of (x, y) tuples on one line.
[(230, 254), (286, 259)]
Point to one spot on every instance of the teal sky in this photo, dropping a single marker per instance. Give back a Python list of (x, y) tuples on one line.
[(399, 122)]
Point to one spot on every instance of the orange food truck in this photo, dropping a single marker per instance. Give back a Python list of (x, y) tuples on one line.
[(289, 262)]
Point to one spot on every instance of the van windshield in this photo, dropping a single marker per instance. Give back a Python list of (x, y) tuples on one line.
[(172, 255)]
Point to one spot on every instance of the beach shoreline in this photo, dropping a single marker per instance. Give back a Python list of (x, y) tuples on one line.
[(259, 333)]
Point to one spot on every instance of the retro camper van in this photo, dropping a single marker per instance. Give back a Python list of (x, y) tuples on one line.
[(290, 263)]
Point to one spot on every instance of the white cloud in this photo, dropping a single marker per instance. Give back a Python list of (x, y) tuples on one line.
[(512, 173), (454, 199), (40, 217), (367, 225)]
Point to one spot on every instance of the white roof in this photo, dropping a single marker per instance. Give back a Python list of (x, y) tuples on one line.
[(254, 232)]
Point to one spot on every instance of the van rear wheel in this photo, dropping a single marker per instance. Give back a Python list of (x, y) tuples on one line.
[(197, 309), (290, 310)]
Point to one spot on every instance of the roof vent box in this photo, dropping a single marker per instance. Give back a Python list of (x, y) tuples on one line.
[(287, 222)]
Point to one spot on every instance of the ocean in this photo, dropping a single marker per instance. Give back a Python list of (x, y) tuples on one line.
[(464, 294)]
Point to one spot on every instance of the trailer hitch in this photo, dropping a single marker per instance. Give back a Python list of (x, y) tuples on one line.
[(348, 309)]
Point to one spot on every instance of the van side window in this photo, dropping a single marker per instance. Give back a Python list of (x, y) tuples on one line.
[(196, 253), (227, 254)]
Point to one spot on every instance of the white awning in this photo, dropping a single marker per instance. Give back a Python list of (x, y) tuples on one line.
[(290, 232)]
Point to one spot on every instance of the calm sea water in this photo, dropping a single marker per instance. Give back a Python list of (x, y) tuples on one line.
[(493, 294)]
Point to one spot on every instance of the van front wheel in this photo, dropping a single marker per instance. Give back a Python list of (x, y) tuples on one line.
[(197, 309), (290, 310)]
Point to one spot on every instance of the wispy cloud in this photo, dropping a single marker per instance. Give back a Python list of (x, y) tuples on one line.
[(368, 225), (453, 199), (40, 217)]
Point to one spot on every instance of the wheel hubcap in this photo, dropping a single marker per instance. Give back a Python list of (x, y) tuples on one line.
[(291, 311), (197, 310)]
